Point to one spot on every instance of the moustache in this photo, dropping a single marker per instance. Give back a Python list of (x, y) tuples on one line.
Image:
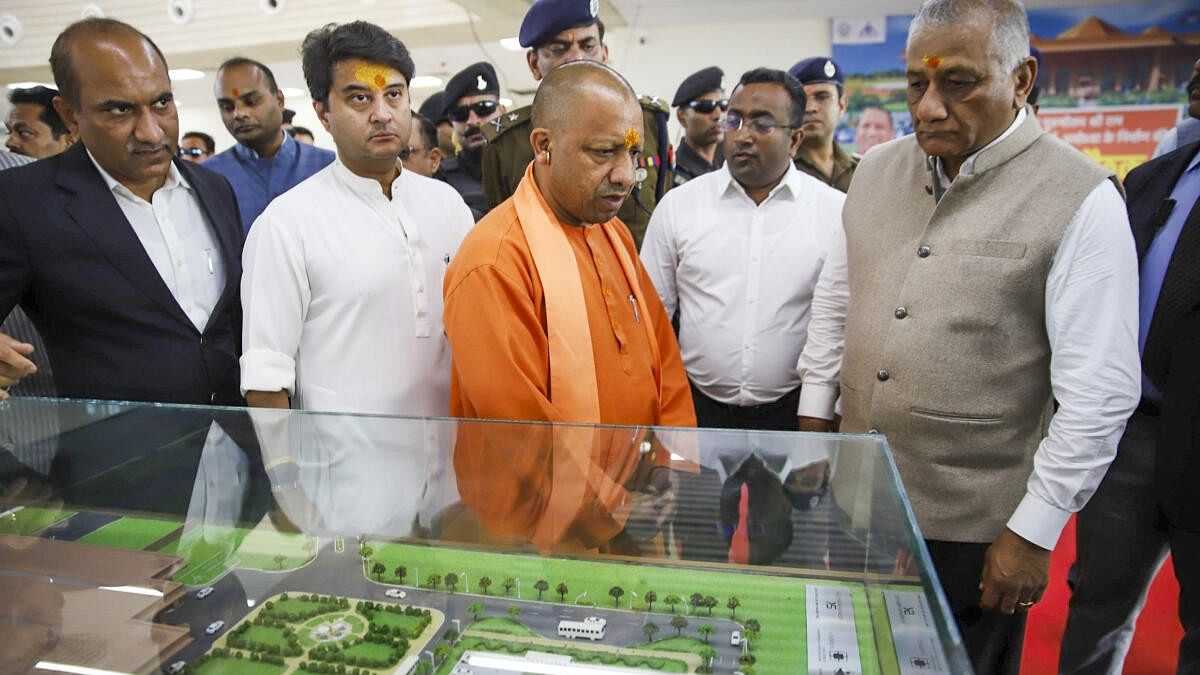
[(146, 147)]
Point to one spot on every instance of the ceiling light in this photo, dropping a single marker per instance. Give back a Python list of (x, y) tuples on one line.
[(294, 92), (425, 82), (28, 85), (506, 102), (183, 74), (512, 44)]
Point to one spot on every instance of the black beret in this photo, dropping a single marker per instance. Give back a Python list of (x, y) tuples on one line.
[(475, 79), (431, 109), (698, 84), (817, 70), (547, 18)]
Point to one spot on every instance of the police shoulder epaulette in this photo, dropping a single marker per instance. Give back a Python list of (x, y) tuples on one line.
[(654, 104), (508, 120)]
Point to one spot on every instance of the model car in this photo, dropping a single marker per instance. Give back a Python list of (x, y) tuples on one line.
[(394, 593), (214, 627), (204, 592), (735, 638), (176, 667)]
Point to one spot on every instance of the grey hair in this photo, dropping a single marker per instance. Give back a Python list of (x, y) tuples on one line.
[(1010, 24)]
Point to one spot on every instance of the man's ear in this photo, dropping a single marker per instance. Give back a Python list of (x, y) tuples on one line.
[(436, 157), (322, 114), (539, 138), (679, 116), (531, 59), (67, 113), (1024, 78), (797, 139), (279, 98)]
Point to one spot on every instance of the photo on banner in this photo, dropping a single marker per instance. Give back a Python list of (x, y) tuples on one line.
[(1113, 78)]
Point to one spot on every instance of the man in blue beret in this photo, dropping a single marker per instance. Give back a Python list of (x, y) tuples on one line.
[(433, 110), (555, 32), (819, 155), (700, 104), (471, 100)]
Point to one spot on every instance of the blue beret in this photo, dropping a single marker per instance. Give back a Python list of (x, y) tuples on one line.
[(431, 109), (475, 79), (547, 18), (698, 84), (817, 70)]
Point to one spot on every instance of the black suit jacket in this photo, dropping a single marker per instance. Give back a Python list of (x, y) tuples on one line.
[(112, 328), (1171, 358)]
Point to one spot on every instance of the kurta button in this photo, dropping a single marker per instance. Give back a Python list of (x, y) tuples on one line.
[(901, 312), (883, 375), (923, 252)]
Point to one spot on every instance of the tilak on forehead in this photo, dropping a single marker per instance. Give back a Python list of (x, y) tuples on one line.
[(632, 137), (237, 92), (932, 61), (375, 75)]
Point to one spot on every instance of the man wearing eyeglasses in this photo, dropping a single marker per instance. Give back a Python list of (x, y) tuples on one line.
[(196, 146), (754, 258), (556, 32), (820, 156), (422, 154), (699, 105), (472, 99)]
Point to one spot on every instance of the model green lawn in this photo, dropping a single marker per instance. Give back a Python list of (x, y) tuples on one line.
[(580, 655), (777, 602), (215, 551), (242, 666), (29, 520), (131, 533), (504, 626)]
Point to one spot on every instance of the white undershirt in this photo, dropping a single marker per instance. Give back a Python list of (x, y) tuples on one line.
[(761, 289), (177, 237), (342, 294), (1095, 371)]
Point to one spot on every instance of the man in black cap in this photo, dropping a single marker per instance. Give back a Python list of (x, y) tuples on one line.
[(819, 156), (555, 32), (700, 104), (471, 100), (432, 110)]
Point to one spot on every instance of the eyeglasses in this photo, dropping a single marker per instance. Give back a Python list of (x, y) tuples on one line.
[(462, 113), (192, 152), (705, 106), (761, 126), (409, 151)]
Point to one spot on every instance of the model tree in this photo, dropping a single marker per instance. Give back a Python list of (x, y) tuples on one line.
[(696, 600), (542, 586), (752, 629), (485, 583), (475, 609), (705, 630), (450, 636), (708, 654), (378, 569), (441, 651), (678, 623), (366, 552), (733, 603), (616, 592), (433, 581), (710, 602), (279, 560), (672, 600), (650, 597), (452, 581), (514, 611), (401, 571), (561, 589), (508, 585), (650, 629)]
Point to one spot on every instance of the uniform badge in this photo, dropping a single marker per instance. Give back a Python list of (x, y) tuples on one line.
[(497, 124), (594, 7), (512, 117), (830, 69), (480, 83)]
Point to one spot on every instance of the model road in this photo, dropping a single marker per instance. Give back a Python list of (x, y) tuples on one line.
[(340, 574)]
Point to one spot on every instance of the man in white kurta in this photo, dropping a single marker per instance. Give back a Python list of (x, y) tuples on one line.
[(342, 294)]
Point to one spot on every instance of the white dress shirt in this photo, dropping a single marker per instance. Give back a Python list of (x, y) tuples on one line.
[(1095, 370), (342, 294), (761, 289), (178, 239)]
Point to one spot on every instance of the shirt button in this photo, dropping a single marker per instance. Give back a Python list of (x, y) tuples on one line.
[(883, 375), (901, 312), (203, 340), (923, 252)]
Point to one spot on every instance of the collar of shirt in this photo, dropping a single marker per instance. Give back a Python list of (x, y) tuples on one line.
[(969, 163), (367, 187), (789, 187), (174, 179), (289, 147)]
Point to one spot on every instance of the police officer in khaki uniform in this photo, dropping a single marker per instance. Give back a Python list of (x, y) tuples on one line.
[(555, 32), (819, 155), (472, 99), (700, 104)]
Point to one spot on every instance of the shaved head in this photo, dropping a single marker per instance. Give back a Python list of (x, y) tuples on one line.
[(573, 86)]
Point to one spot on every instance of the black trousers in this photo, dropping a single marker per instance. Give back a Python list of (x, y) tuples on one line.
[(778, 415), (992, 639)]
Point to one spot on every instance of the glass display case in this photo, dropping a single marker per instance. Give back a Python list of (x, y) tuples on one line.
[(141, 538)]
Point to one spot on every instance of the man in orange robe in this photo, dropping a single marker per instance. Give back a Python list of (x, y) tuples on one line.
[(551, 317)]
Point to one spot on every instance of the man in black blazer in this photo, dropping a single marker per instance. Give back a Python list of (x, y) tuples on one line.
[(1149, 501), (127, 260)]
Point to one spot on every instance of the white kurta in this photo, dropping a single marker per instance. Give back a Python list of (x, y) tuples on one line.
[(342, 294)]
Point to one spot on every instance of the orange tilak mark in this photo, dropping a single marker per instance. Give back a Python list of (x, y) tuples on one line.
[(632, 137), (236, 92), (380, 81), (376, 76), (932, 61)]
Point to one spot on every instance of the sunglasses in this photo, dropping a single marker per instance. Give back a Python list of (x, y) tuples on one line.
[(191, 152), (705, 106), (409, 151), (461, 113)]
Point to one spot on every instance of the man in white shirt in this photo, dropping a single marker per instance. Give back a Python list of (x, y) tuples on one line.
[(993, 273), (343, 273), (754, 258)]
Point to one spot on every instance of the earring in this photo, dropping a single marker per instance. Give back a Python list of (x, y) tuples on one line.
[(547, 156)]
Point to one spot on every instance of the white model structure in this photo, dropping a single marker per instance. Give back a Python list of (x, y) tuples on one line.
[(591, 628)]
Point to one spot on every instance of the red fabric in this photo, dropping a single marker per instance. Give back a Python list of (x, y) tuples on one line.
[(739, 546)]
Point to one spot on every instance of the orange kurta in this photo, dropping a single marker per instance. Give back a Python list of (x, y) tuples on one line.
[(496, 320)]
